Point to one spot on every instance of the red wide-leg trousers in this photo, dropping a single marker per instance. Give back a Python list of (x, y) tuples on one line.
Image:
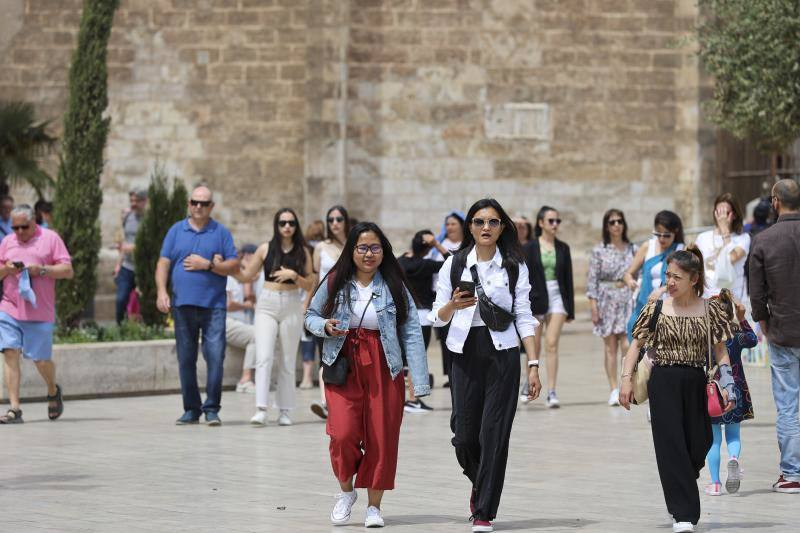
[(364, 415)]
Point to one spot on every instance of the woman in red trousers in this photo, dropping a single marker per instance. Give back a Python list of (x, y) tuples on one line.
[(367, 318)]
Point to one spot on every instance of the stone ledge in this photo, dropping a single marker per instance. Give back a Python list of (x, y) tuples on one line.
[(104, 369)]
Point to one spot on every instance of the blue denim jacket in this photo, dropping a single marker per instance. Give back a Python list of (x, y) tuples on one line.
[(410, 333)]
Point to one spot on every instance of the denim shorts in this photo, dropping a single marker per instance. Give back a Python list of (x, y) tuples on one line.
[(34, 339)]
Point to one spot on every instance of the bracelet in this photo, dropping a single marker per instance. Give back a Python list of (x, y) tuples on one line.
[(533, 362)]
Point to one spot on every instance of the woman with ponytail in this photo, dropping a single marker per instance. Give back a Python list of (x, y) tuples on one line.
[(684, 323), (744, 337)]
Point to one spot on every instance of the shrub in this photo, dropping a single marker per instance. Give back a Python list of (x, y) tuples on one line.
[(78, 194), (164, 208)]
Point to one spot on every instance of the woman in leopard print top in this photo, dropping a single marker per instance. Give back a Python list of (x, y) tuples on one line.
[(680, 422)]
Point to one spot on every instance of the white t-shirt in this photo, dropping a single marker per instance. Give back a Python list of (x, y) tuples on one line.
[(711, 245), (357, 309), (236, 291)]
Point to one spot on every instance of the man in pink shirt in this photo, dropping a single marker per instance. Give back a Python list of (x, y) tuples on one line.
[(31, 260)]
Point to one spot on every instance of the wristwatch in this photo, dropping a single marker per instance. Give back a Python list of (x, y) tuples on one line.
[(42, 271), (533, 362)]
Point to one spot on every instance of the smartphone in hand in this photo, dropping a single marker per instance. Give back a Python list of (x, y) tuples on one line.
[(467, 286)]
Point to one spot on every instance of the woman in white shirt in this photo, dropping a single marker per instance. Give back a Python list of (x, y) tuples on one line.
[(725, 247), (485, 372), (326, 253)]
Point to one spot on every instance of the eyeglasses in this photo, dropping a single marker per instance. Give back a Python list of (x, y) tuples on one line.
[(284, 223), (658, 235), (480, 222), (17, 228), (200, 203), (376, 249), (554, 221), (331, 220), (616, 222)]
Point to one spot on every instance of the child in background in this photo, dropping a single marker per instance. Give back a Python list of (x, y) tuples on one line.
[(744, 338)]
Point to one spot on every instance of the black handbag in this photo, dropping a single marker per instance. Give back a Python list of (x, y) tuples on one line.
[(495, 317), (336, 373)]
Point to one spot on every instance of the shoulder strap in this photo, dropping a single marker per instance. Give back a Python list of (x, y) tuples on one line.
[(457, 267), (654, 319), (513, 276)]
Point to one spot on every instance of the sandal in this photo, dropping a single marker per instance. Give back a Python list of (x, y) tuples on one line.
[(13, 416), (54, 411)]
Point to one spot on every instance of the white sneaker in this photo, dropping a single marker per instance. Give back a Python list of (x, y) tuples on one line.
[(260, 418), (344, 505), (373, 518), (248, 387), (283, 419), (523, 398), (734, 476), (682, 527), (552, 400), (613, 400)]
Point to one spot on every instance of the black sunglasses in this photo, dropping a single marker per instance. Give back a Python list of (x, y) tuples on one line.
[(363, 249), (291, 223), (554, 221), (17, 228), (658, 235), (331, 220), (200, 203), (616, 222), (480, 222)]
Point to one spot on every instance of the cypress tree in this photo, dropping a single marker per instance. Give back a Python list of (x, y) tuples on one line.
[(78, 194), (163, 210)]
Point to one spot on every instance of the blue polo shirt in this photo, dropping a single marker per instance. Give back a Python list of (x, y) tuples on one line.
[(200, 288)]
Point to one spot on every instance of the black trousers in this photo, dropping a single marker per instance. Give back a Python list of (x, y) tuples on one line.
[(681, 435), (447, 355), (484, 383)]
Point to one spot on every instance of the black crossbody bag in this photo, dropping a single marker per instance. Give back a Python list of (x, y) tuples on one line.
[(336, 373), (495, 317)]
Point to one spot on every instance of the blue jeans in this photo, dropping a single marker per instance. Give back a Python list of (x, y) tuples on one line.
[(125, 284), (785, 364), (190, 321)]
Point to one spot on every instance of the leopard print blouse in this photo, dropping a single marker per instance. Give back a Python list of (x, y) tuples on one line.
[(680, 340)]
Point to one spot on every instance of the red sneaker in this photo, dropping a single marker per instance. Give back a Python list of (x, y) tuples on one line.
[(788, 487), (481, 525)]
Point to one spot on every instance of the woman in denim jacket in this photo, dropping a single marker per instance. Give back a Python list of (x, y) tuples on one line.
[(364, 312)]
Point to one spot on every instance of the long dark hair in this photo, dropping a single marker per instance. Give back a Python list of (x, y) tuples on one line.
[(418, 246), (691, 260), (328, 233), (537, 230), (344, 270), (606, 218), (672, 222), (297, 255), (508, 242)]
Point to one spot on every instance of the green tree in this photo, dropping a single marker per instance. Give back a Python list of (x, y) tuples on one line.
[(163, 210), (752, 49), (23, 141), (78, 195)]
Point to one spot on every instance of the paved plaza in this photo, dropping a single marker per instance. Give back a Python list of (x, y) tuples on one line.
[(122, 465)]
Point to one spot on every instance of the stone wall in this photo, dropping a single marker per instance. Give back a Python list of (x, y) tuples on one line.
[(401, 109)]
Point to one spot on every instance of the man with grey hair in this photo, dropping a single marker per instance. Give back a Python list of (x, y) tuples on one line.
[(31, 260), (775, 298), (125, 268)]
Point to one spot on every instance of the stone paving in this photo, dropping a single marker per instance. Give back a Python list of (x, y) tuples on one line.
[(121, 465)]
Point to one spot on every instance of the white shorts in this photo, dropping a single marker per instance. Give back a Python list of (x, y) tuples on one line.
[(555, 303)]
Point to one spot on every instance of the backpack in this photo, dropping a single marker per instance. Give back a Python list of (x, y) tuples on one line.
[(460, 263)]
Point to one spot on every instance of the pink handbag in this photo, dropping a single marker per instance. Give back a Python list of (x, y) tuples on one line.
[(714, 400)]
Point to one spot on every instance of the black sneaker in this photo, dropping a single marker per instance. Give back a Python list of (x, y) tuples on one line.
[(413, 407), (424, 406)]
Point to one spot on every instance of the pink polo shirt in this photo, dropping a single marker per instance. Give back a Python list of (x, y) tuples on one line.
[(44, 248)]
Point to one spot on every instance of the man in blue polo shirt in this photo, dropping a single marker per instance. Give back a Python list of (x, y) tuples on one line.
[(198, 300)]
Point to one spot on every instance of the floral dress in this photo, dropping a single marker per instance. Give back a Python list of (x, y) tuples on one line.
[(744, 338), (614, 299)]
